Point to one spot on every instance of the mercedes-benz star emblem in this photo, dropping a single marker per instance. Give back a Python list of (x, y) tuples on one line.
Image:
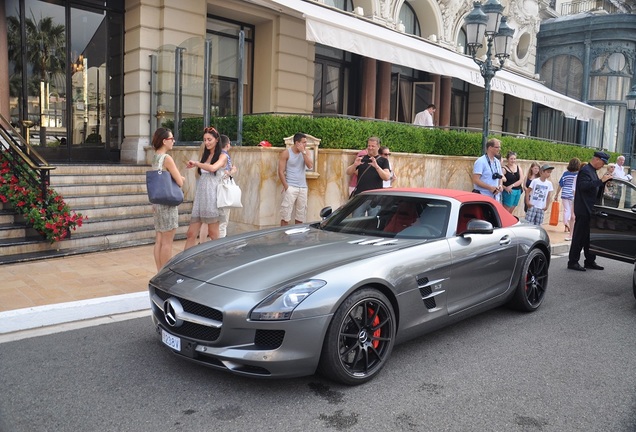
[(172, 310)]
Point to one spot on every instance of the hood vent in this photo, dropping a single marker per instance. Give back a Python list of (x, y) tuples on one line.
[(375, 242), (297, 230)]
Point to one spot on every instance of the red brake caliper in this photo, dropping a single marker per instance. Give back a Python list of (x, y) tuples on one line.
[(378, 332)]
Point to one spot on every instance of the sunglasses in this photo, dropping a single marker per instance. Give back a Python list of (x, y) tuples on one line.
[(169, 139), (386, 154), (209, 129)]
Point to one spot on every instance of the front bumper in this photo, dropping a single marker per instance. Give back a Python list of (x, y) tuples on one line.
[(267, 349)]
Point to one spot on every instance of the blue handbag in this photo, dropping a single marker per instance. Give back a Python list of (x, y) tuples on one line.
[(161, 187)]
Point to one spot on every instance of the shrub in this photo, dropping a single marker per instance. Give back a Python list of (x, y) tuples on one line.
[(352, 133)]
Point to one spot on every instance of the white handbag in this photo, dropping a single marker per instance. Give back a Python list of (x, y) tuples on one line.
[(228, 194)]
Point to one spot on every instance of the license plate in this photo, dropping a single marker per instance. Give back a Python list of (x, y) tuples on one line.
[(170, 340)]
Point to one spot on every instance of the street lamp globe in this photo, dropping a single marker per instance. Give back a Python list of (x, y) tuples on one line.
[(631, 99), (493, 10), (476, 22), (503, 40)]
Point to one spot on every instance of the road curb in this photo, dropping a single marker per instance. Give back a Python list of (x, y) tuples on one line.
[(560, 248), (61, 313), (42, 316)]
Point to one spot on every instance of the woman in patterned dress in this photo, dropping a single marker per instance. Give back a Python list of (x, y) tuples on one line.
[(166, 217), (204, 209)]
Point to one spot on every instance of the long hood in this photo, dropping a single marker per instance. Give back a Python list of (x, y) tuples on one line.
[(255, 262)]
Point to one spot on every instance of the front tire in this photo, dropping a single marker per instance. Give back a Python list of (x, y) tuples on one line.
[(359, 339), (533, 282)]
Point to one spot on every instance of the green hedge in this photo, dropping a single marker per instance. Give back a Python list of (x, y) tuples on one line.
[(346, 133)]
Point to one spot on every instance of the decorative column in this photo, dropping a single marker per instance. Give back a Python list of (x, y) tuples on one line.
[(369, 79), (383, 97), (445, 96)]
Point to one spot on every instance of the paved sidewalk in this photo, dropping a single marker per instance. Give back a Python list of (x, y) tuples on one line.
[(48, 292)]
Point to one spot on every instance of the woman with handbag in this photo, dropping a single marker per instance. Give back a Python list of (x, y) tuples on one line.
[(204, 208), (166, 216), (230, 171)]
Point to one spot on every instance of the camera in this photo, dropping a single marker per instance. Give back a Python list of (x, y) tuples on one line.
[(496, 176)]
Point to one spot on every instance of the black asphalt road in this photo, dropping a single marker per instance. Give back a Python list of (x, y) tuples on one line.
[(571, 366)]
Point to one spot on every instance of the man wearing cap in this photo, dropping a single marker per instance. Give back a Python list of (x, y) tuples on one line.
[(587, 189), (539, 195)]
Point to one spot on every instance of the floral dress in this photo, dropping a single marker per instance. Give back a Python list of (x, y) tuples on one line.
[(204, 209), (166, 217)]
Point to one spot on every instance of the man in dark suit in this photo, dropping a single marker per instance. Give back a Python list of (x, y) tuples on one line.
[(587, 189)]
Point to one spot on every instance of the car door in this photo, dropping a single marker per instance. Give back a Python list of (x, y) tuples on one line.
[(613, 223), (482, 264)]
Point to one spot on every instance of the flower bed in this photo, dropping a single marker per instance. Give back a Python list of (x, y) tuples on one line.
[(51, 217)]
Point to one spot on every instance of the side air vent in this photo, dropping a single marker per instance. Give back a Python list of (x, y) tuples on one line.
[(428, 294)]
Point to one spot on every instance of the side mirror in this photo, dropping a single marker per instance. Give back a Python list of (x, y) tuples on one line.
[(325, 212), (478, 226)]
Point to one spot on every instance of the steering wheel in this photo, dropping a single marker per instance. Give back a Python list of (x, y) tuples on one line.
[(434, 231)]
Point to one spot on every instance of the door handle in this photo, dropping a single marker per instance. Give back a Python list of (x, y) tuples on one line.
[(505, 240)]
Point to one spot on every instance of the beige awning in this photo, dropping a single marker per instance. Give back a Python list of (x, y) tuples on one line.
[(355, 34)]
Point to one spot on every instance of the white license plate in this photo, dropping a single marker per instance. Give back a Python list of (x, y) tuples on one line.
[(170, 340)]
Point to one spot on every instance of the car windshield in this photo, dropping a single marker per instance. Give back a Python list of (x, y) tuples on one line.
[(391, 216)]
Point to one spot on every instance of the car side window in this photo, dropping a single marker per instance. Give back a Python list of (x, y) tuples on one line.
[(618, 194), (480, 211)]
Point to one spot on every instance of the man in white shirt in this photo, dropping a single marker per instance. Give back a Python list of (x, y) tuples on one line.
[(425, 118), (619, 172)]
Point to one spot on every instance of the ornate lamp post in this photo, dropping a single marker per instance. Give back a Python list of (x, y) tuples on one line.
[(631, 107), (486, 21)]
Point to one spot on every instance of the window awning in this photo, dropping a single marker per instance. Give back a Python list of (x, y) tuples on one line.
[(350, 33)]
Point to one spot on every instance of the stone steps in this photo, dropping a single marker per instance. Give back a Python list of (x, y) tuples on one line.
[(113, 197)]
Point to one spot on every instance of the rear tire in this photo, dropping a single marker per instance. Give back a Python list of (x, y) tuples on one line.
[(359, 339), (533, 282)]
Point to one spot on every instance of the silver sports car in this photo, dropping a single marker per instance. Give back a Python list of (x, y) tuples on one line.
[(335, 296)]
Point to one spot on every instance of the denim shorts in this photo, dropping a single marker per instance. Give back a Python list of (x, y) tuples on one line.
[(511, 199)]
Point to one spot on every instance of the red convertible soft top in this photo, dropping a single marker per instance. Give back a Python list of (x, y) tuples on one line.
[(462, 196)]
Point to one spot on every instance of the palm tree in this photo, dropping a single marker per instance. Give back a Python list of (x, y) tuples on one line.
[(46, 55), (46, 45)]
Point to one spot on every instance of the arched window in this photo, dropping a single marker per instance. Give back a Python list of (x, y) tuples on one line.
[(461, 41), (409, 19), (564, 74), (345, 5)]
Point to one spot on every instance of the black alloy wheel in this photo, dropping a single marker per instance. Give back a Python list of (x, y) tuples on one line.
[(533, 282), (360, 338)]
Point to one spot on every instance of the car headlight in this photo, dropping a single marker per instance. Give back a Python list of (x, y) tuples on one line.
[(280, 304)]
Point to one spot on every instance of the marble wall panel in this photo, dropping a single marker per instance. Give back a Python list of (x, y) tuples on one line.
[(261, 188)]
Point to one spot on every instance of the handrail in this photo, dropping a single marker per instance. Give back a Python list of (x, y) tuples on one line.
[(26, 162)]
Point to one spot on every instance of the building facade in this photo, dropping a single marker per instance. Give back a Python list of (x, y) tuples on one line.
[(90, 80), (590, 56)]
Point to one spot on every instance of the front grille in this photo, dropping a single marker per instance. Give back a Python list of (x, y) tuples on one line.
[(192, 307), (188, 329), (269, 339)]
